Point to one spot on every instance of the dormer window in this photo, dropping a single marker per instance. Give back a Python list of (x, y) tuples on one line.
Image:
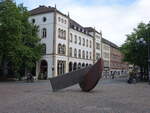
[(80, 29), (72, 26), (44, 19), (77, 28)]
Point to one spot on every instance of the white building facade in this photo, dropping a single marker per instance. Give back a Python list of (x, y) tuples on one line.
[(67, 46), (106, 54)]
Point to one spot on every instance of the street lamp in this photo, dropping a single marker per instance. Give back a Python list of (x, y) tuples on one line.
[(142, 41)]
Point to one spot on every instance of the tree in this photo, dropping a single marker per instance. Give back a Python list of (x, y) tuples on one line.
[(136, 53), (19, 42)]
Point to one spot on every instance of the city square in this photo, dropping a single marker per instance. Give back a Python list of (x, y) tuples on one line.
[(110, 96), (74, 56)]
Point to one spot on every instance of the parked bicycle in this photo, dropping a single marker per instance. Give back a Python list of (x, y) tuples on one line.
[(30, 78)]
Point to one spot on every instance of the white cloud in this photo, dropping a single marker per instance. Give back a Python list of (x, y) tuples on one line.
[(115, 21)]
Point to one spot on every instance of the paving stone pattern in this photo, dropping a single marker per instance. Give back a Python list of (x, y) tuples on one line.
[(110, 96)]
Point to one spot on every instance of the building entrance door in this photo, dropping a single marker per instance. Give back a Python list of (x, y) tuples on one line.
[(43, 70)]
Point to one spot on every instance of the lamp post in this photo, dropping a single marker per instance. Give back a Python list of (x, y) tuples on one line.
[(142, 41)]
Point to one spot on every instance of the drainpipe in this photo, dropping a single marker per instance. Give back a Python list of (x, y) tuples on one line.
[(54, 45), (68, 40)]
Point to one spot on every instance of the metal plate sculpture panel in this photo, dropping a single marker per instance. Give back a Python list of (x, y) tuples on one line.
[(86, 77)]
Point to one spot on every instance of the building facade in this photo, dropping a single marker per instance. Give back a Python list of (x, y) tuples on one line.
[(113, 59), (106, 54), (117, 66), (67, 45)]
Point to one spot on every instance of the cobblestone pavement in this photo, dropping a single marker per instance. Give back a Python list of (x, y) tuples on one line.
[(110, 96)]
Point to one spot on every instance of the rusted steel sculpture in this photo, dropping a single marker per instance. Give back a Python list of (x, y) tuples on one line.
[(86, 77)]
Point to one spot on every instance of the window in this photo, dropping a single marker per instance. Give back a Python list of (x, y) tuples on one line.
[(71, 37), (33, 21), (79, 53), (59, 33), (44, 19), (106, 55), (97, 56), (83, 42), (79, 40), (61, 66), (90, 55), (65, 21), (44, 33), (64, 34), (44, 49), (62, 20), (63, 49), (87, 43), (75, 39), (83, 54), (80, 29), (70, 51), (90, 44), (59, 19), (86, 54), (106, 47), (97, 46), (106, 63), (83, 30), (75, 52), (59, 48)]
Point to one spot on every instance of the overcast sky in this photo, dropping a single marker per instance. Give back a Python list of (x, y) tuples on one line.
[(115, 18)]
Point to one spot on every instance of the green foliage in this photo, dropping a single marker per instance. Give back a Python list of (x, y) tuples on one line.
[(136, 53), (19, 42)]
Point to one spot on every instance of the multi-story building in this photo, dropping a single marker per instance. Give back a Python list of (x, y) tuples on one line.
[(117, 66), (113, 59), (106, 54), (67, 45), (96, 42)]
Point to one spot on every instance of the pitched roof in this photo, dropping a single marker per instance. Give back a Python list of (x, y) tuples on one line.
[(109, 43), (41, 10), (44, 9), (72, 22), (90, 29)]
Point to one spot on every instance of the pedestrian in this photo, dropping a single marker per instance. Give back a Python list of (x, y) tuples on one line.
[(30, 77)]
